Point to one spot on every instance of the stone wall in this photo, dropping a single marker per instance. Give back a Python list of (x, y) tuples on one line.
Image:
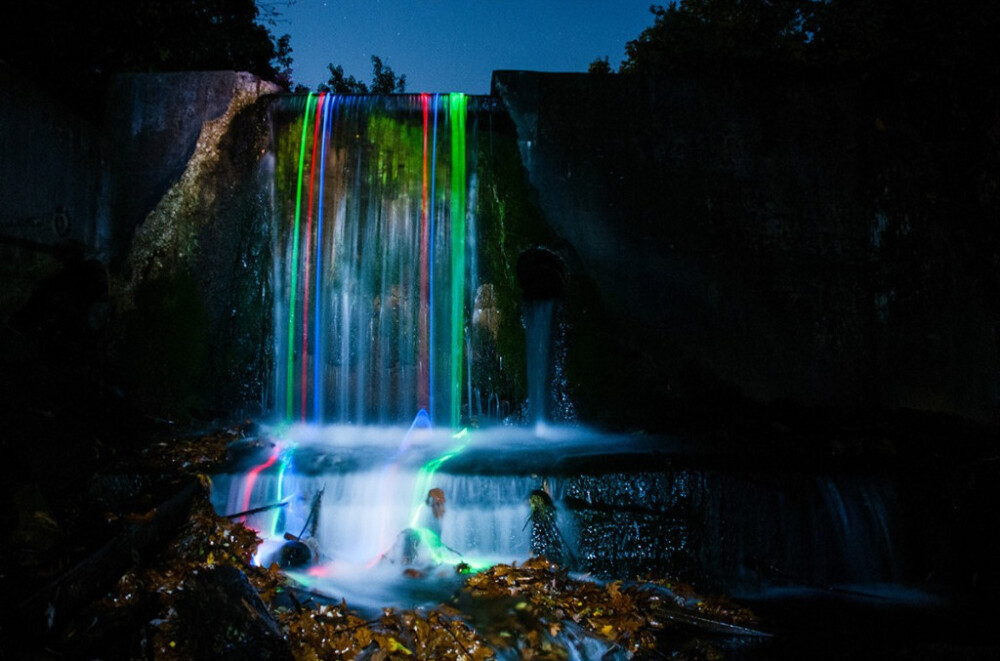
[(154, 122), (767, 241)]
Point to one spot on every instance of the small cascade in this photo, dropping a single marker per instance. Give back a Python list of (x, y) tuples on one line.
[(542, 276), (364, 513), (800, 531), (377, 500), (740, 532), (538, 324)]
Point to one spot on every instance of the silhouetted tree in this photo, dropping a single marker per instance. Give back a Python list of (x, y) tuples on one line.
[(283, 61), (78, 45), (920, 76), (339, 83), (716, 34), (384, 80), (892, 39), (600, 67)]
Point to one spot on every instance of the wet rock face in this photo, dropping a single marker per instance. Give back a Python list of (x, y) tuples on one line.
[(751, 530), (630, 524), (164, 129), (137, 265), (194, 301)]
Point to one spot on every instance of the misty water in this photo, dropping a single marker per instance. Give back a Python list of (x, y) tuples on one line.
[(388, 461)]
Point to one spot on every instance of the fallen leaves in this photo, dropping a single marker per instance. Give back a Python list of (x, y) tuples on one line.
[(333, 631), (196, 454), (535, 610), (547, 598)]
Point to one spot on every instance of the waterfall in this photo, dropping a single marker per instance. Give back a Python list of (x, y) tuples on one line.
[(371, 238), (377, 306), (799, 530), (376, 282)]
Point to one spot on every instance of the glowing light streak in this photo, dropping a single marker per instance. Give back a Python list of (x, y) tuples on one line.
[(282, 468), (318, 357), (306, 252), (290, 376), (430, 246), (457, 111), (429, 538), (423, 384), (421, 423), (426, 474), (251, 478), (321, 571)]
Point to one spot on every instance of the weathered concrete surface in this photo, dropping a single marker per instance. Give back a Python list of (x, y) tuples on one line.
[(49, 166), (774, 241)]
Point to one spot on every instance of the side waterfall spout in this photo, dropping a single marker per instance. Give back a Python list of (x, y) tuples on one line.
[(542, 276)]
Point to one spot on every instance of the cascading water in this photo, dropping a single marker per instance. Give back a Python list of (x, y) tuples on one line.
[(376, 286), (376, 295), (371, 244)]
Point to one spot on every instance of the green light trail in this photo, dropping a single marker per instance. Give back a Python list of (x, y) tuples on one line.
[(457, 103), (430, 539), (290, 376), (426, 474)]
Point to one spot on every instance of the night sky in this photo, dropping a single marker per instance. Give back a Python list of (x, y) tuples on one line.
[(455, 45)]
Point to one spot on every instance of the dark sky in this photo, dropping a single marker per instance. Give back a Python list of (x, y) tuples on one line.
[(455, 45)]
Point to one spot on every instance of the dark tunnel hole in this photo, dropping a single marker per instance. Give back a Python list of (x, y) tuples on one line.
[(541, 274)]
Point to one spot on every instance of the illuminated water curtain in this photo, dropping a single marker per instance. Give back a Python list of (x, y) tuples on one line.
[(370, 199)]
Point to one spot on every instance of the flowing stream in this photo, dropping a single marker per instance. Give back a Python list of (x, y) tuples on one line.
[(367, 462)]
